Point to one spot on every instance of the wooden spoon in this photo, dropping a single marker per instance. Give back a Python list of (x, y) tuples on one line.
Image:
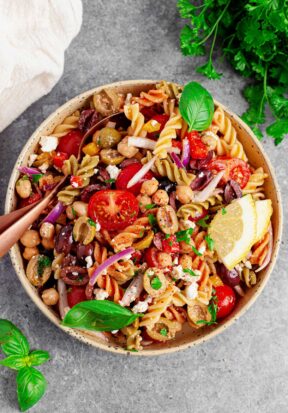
[(14, 224)]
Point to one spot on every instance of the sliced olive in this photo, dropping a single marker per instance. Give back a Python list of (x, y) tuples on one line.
[(145, 242), (164, 329), (111, 157), (108, 137)]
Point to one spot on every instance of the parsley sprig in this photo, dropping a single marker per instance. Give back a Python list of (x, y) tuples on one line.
[(253, 35), (212, 308)]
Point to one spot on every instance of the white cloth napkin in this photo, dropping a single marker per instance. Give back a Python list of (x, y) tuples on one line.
[(33, 37)]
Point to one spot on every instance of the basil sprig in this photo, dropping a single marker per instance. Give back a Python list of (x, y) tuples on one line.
[(99, 315), (31, 384), (196, 106)]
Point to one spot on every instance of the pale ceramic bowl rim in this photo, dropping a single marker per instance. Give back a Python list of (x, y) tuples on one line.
[(14, 252)]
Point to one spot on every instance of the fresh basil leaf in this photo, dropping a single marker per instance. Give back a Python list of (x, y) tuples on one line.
[(99, 315), (12, 341), (15, 362), (31, 386), (36, 178), (196, 106), (38, 357)]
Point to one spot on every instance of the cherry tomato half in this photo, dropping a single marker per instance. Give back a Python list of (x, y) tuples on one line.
[(75, 294), (151, 257), (127, 173), (225, 300), (70, 143), (198, 150), (170, 245), (176, 144), (34, 197), (59, 158), (235, 169), (113, 209)]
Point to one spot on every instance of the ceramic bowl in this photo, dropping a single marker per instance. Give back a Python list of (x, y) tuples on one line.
[(187, 337)]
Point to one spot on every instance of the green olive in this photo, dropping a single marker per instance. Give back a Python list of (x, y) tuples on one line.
[(108, 138), (111, 157)]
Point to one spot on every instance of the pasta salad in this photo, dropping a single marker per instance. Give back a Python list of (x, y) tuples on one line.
[(161, 221)]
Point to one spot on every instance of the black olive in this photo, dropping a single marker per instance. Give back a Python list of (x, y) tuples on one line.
[(167, 185)]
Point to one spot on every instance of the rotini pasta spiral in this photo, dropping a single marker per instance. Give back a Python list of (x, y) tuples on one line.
[(171, 89), (130, 234), (196, 209), (168, 133), (176, 313), (111, 286), (132, 112), (165, 167), (133, 336), (158, 307), (150, 98), (260, 250), (122, 271), (255, 184), (68, 124)]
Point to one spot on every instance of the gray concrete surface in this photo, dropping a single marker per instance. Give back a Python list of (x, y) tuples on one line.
[(243, 370)]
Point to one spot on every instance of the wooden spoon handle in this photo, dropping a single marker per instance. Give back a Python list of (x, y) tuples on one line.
[(11, 235), (9, 219)]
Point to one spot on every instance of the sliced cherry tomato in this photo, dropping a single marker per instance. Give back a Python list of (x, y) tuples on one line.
[(235, 169), (76, 294), (127, 173), (199, 216), (170, 245), (198, 150), (162, 119), (113, 209), (177, 144), (59, 158), (148, 112), (225, 300), (151, 257), (136, 257), (34, 197), (76, 181), (70, 143)]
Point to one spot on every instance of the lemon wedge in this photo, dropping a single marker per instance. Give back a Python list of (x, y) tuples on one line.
[(234, 231), (264, 211)]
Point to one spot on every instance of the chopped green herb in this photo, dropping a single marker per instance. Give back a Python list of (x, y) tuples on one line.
[(73, 212), (163, 332), (202, 222), (43, 262), (132, 350), (167, 236), (210, 242), (224, 211), (150, 206), (152, 220), (91, 222), (190, 272), (170, 243), (156, 284), (212, 308), (36, 177), (110, 181), (196, 251), (184, 235)]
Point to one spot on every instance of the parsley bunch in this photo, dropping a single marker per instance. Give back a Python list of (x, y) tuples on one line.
[(254, 38)]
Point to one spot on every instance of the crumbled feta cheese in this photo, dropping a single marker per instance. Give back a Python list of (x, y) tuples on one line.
[(140, 307), (32, 158), (100, 294), (202, 249), (114, 331), (201, 174), (74, 184), (113, 171), (188, 224), (98, 226), (179, 274), (43, 168), (132, 295), (192, 290), (96, 170), (75, 273), (154, 122), (89, 262), (150, 272), (128, 98), (48, 143), (248, 264), (176, 261), (239, 268)]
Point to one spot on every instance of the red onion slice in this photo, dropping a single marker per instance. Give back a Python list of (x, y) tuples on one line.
[(111, 260), (202, 196), (269, 252), (185, 157), (55, 213), (63, 301), (143, 171), (141, 143), (176, 160), (29, 171), (133, 291)]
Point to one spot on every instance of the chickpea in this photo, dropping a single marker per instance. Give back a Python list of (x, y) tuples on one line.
[(143, 201), (149, 187), (69, 212), (48, 244), (30, 252), (210, 139), (125, 150), (50, 296), (24, 187), (184, 194), (164, 259), (30, 238), (80, 208), (160, 198), (47, 230), (186, 261)]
